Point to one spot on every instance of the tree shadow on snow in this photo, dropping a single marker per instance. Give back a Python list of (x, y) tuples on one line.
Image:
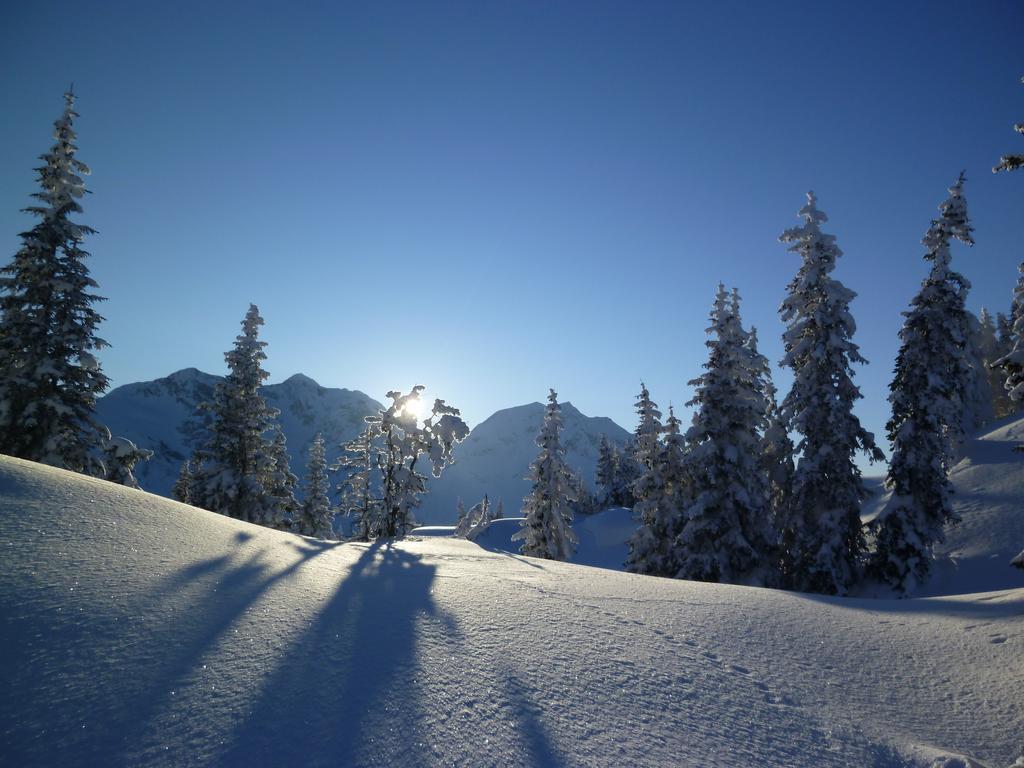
[(221, 593), (345, 692)]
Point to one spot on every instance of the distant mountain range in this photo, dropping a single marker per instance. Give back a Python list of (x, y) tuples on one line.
[(162, 415), (496, 456)]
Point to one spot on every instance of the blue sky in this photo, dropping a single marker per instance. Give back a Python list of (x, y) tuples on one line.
[(496, 198)]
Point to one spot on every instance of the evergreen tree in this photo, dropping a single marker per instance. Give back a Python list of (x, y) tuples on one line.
[(726, 535), (479, 517), (823, 539), (1004, 333), (281, 484), (1011, 162), (927, 393), (989, 348), (606, 473), (238, 460), (120, 455), (627, 472), (979, 404), (317, 515), (777, 463), (547, 528), (648, 430), (1012, 363), (357, 499), (403, 441), (462, 522), (49, 377), (183, 486), (499, 513), (660, 496)]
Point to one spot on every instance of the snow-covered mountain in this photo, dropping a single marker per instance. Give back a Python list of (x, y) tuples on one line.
[(496, 456), (139, 631), (161, 415)]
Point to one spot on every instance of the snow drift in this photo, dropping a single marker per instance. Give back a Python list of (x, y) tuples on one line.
[(140, 631)]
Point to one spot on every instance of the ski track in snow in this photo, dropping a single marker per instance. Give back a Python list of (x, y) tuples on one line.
[(139, 631)]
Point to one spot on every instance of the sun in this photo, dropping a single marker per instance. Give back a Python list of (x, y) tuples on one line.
[(416, 408)]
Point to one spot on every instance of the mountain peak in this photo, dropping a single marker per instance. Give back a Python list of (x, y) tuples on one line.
[(301, 380)]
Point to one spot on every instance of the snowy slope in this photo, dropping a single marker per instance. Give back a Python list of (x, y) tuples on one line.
[(989, 485), (161, 415), (496, 456), (602, 537), (138, 631)]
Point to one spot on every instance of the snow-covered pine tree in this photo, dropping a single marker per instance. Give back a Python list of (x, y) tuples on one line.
[(120, 455), (49, 376), (661, 495), (584, 502), (928, 393), (777, 463), (823, 538), (726, 533), (627, 472), (988, 346), (281, 484), (357, 499), (648, 430), (237, 461), (547, 528), (183, 486), (979, 405), (1012, 363), (479, 516), (317, 515), (404, 440), (605, 474), (1011, 162), (463, 523), (1004, 333)]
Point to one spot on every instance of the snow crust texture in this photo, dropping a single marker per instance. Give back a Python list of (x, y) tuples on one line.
[(140, 631)]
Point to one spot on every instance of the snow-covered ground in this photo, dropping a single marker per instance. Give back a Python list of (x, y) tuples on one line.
[(139, 631)]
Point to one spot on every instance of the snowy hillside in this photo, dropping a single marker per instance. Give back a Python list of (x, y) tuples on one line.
[(989, 485), (496, 456), (161, 416), (139, 631)]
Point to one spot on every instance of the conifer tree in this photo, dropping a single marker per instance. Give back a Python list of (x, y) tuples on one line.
[(49, 376), (726, 535), (927, 394), (648, 430), (1012, 363), (821, 525), (777, 463), (120, 455), (989, 348), (660, 497), (606, 472), (357, 499), (183, 486), (547, 528), (281, 484), (404, 440), (462, 523), (1011, 162), (238, 460), (979, 404), (317, 515)]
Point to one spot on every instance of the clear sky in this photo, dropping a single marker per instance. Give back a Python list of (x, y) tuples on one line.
[(496, 198)]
